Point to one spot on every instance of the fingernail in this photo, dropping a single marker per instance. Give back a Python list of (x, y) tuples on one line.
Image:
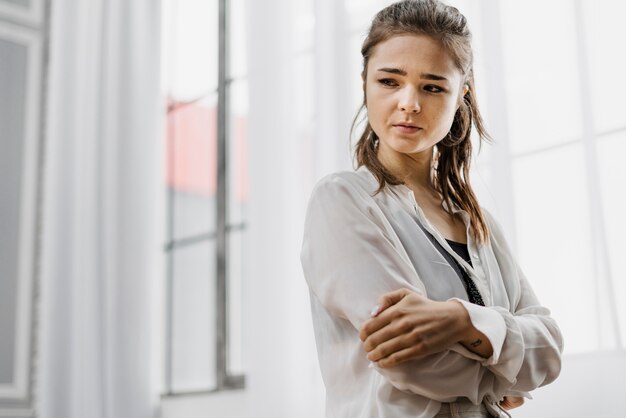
[(372, 365), (375, 310)]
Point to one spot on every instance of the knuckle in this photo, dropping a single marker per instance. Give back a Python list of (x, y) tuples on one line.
[(382, 352), (406, 327), (421, 346), (415, 336), (395, 314), (403, 310), (370, 344)]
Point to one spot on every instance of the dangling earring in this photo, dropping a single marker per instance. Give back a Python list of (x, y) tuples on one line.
[(435, 158), (372, 137)]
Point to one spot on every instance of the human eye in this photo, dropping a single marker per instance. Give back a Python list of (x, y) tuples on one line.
[(388, 82), (433, 88)]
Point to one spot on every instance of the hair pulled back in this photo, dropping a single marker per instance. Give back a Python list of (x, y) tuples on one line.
[(452, 155)]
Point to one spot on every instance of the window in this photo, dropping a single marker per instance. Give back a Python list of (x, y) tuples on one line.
[(207, 188), (563, 130)]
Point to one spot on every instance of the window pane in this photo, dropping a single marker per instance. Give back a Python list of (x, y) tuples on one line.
[(542, 77), (193, 318), (192, 47), (554, 240), (192, 169), (237, 38), (605, 26), (613, 180)]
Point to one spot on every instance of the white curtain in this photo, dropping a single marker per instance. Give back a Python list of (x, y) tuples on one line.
[(102, 213), (292, 73)]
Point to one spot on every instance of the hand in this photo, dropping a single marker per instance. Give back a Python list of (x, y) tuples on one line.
[(510, 402), (407, 325)]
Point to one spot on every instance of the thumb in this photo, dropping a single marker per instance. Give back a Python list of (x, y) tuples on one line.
[(389, 299)]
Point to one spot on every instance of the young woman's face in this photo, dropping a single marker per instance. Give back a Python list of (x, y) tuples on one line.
[(413, 89)]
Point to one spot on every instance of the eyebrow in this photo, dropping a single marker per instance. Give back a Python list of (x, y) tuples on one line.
[(426, 76)]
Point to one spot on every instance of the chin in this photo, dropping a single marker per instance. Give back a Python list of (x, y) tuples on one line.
[(404, 145)]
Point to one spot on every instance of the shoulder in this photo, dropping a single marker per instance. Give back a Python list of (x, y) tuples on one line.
[(343, 185), (346, 195), (489, 218), (496, 232)]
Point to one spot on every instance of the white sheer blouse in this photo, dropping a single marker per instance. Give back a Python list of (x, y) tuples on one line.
[(357, 246)]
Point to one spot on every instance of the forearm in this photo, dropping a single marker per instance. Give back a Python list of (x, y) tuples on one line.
[(444, 377)]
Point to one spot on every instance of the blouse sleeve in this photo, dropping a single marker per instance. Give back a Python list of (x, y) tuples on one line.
[(529, 355), (349, 259)]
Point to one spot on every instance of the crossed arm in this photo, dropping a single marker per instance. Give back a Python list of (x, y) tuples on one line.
[(406, 325), (350, 259)]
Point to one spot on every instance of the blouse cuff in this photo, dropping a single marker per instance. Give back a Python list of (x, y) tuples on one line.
[(490, 323)]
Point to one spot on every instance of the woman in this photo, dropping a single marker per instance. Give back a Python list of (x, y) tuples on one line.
[(456, 329)]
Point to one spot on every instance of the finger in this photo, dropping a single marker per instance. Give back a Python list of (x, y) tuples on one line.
[(401, 356), (392, 313), (507, 403), (381, 336), (400, 336), (389, 299), (404, 334), (391, 347), (504, 403), (510, 402), (386, 328), (373, 325)]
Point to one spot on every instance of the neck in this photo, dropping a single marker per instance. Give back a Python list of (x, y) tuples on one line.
[(414, 169)]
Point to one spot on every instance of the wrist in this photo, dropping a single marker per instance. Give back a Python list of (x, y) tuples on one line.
[(462, 321), (469, 336)]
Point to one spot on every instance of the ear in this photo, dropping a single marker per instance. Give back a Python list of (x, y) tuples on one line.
[(465, 89)]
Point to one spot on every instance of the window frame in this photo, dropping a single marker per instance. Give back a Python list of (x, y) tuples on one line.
[(224, 380)]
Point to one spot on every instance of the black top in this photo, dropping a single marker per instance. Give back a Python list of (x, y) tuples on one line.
[(461, 250), (472, 292)]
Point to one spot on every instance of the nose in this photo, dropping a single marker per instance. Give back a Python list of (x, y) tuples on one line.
[(409, 101)]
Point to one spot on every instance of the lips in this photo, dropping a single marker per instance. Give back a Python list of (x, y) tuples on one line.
[(406, 124), (406, 128)]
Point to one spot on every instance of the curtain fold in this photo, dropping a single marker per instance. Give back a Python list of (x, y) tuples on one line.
[(103, 213), (298, 131)]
